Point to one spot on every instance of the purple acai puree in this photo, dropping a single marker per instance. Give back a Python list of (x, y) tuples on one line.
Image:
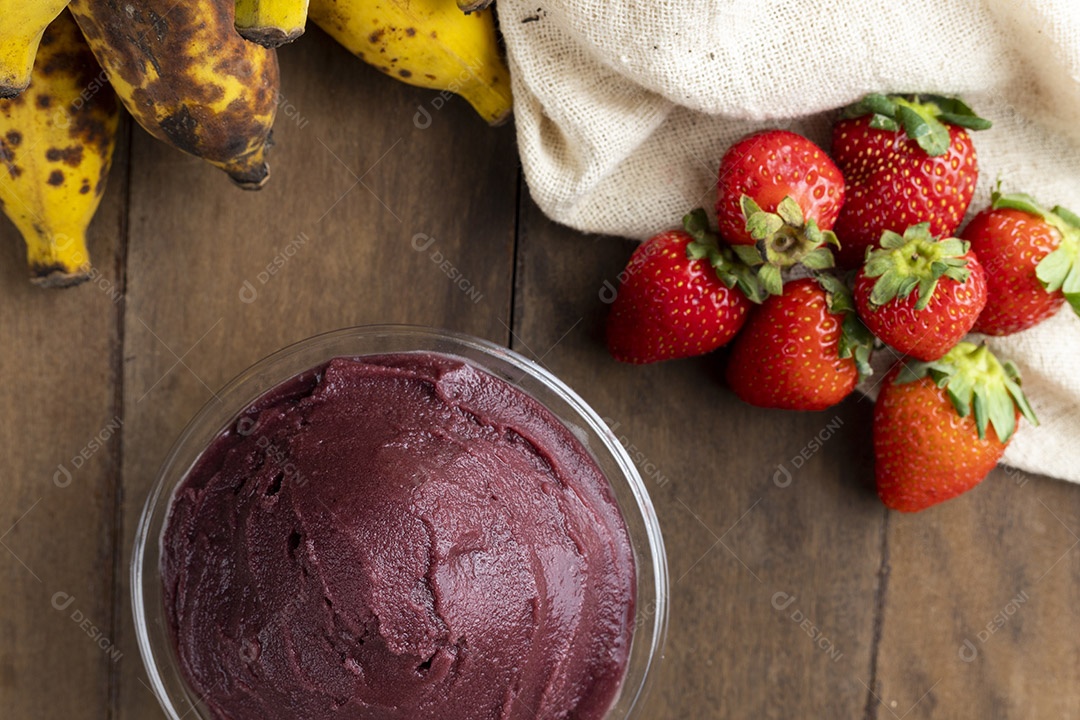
[(401, 536)]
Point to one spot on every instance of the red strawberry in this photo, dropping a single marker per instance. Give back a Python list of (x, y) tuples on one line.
[(1032, 261), (682, 294), (951, 292), (803, 350), (905, 162), (941, 427), (780, 191)]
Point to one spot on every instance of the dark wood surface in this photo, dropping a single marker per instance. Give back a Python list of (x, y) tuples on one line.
[(794, 593)]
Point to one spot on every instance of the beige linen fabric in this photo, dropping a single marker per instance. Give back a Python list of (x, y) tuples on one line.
[(624, 107)]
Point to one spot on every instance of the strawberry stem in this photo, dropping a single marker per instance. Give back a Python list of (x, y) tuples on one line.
[(856, 340), (730, 269), (914, 260), (924, 118), (786, 237), (978, 384)]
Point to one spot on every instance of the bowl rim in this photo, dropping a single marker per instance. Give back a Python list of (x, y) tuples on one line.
[(245, 385)]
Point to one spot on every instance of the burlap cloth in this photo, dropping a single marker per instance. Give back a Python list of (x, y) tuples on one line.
[(624, 108)]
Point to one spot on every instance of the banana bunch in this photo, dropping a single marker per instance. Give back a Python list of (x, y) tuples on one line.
[(56, 145), (200, 75)]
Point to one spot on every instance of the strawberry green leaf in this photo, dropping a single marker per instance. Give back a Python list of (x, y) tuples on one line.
[(1053, 269), (1012, 384), (696, 222), (761, 224), (1067, 215), (820, 259), (891, 286), (749, 254), (910, 372), (927, 286), (960, 389), (1001, 413), (839, 295), (1018, 201), (881, 109), (924, 128), (956, 112), (1071, 286), (965, 121), (857, 342), (748, 206), (953, 247), (750, 285), (1074, 301), (790, 212), (772, 279), (697, 251), (880, 122), (1060, 270), (892, 240)]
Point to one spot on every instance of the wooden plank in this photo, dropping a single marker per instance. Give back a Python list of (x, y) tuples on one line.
[(759, 559), (367, 218), (60, 431), (981, 614)]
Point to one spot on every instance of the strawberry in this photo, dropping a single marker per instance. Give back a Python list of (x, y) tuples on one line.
[(941, 427), (1032, 261), (781, 192), (681, 294), (951, 292), (802, 350), (905, 162)]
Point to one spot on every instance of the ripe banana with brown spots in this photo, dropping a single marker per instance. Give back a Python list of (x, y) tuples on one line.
[(271, 23), (186, 76), (430, 43), (21, 24), (56, 145)]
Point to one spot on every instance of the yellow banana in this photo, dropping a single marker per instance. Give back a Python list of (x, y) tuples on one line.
[(56, 144), (271, 23), (186, 76), (21, 25), (429, 43)]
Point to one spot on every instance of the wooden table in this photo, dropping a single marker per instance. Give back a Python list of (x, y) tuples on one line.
[(794, 592)]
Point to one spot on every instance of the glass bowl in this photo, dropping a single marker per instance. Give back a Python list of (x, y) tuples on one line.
[(650, 624)]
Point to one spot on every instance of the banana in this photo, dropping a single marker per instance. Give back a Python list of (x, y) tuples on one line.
[(186, 76), (56, 145), (271, 23), (429, 43), (21, 25)]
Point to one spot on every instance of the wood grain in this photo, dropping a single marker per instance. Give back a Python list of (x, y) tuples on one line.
[(758, 558), (982, 607), (220, 278), (60, 433)]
